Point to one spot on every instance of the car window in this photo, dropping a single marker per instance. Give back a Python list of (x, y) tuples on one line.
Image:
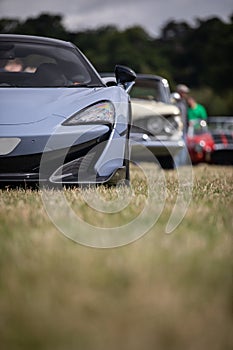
[(42, 65), (149, 90), (197, 127)]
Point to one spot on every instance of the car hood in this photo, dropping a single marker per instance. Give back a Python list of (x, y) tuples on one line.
[(143, 108), (28, 106)]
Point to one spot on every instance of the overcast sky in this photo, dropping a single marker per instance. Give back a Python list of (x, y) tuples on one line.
[(88, 14)]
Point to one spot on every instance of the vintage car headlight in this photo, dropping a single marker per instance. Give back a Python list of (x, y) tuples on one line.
[(155, 124), (165, 125), (102, 112)]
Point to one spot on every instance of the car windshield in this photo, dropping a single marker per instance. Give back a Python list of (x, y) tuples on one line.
[(197, 127), (150, 89), (44, 65)]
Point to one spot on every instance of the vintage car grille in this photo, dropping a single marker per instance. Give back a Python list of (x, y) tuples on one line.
[(223, 138)]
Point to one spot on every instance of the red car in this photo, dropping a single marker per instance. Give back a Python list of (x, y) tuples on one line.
[(212, 143), (200, 142), (221, 129)]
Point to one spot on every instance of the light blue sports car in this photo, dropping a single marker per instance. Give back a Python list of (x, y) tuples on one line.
[(59, 121)]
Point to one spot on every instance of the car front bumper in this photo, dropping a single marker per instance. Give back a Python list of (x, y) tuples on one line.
[(66, 158), (140, 143)]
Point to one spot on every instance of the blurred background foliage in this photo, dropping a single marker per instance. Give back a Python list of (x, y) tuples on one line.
[(199, 56)]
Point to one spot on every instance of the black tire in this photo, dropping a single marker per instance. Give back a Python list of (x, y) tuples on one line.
[(166, 162), (127, 158)]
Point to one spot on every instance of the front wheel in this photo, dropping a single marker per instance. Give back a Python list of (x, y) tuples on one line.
[(127, 158)]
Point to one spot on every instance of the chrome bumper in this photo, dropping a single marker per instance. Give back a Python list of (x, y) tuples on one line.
[(157, 147)]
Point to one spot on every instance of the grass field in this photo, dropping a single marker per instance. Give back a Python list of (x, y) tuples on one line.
[(164, 291)]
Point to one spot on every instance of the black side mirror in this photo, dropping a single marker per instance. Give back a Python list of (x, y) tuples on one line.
[(125, 76)]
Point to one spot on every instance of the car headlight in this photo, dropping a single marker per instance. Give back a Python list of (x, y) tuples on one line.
[(155, 125), (102, 112)]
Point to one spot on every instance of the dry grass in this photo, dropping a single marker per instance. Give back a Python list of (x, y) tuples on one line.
[(161, 292)]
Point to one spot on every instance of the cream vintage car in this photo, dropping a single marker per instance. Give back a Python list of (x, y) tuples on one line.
[(156, 121)]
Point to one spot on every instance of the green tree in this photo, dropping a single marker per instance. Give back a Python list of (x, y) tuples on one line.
[(43, 25), (200, 55)]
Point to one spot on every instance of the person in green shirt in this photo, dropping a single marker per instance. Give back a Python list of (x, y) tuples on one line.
[(195, 111)]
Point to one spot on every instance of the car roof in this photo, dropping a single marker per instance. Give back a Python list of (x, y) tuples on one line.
[(34, 39), (138, 77), (149, 77)]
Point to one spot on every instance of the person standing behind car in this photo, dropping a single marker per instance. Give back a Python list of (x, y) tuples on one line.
[(181, 102), (196, 111), (183, 91)]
